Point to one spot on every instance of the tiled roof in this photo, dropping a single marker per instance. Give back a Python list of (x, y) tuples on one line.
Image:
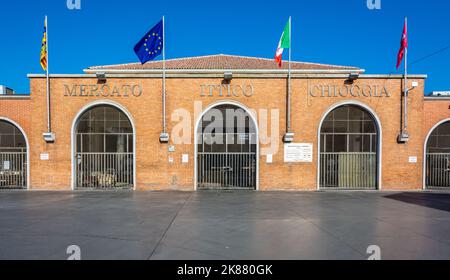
[(221, 62)]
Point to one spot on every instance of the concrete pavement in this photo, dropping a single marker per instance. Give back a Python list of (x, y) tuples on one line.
[(224, 225)]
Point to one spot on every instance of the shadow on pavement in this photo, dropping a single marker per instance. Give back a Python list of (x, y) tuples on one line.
[(439, 201)]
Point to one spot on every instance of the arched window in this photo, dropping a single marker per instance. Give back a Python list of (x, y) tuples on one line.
[(349, 149), (104, 143), (13, 157), (438, 157), (439, 141)]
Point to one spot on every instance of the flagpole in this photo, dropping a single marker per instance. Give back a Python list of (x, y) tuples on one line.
[(49, 126), (289, 77), (289, 136), (164, 136), (406, 82)]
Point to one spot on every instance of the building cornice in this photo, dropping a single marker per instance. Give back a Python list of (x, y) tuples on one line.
[(440, 98), (221, 71), (254, 74), (14, 97)]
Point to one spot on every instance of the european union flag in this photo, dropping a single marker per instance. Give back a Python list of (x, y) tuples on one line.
[(151, 45)]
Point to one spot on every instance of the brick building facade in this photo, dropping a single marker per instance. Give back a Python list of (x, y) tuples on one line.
[(371, 156)]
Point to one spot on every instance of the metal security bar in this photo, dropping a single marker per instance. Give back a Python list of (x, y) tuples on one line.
[(227, 170), (348, 170), (105, 170), (13, 168), (438, 170)]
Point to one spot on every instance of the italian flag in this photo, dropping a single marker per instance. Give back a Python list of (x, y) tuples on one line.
[(285, 43)]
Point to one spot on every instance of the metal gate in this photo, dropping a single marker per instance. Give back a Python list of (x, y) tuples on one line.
[(349, 150), (226, 168), (104, 150), (438, 170), (105, 170), (437, 160), (13, 168), (348, 170)]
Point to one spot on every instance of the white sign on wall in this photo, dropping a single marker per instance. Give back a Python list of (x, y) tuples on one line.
[(185, 158), (412, 159), (295, 153), (45, 156)]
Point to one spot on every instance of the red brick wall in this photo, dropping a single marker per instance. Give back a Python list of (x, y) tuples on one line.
[(154, 172), (436, 110), (17, 110)]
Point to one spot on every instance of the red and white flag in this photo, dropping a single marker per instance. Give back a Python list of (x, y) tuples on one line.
[(403, 45)]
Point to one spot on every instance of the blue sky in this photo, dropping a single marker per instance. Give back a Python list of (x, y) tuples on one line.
[(343, 32)]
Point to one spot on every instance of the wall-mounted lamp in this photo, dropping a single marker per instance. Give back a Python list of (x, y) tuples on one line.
[(164, 138), (49, 137), (288, 137), (353, 77), (403, 137), (228, 76), (101, 77)]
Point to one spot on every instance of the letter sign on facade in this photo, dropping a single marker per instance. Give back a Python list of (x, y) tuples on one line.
[(84, 90), (346, 91), (226, 90)]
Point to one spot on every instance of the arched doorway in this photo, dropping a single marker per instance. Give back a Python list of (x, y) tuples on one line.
[(104, 149), (437, 164), (13, 156), (227, 149), (349, 149)]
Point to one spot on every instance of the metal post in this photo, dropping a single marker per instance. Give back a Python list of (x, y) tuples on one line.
[(289, 78), (49, 125), (164, 138), (406, 82), (289, 136), (164, 76), (49, 136), (404, 136)]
